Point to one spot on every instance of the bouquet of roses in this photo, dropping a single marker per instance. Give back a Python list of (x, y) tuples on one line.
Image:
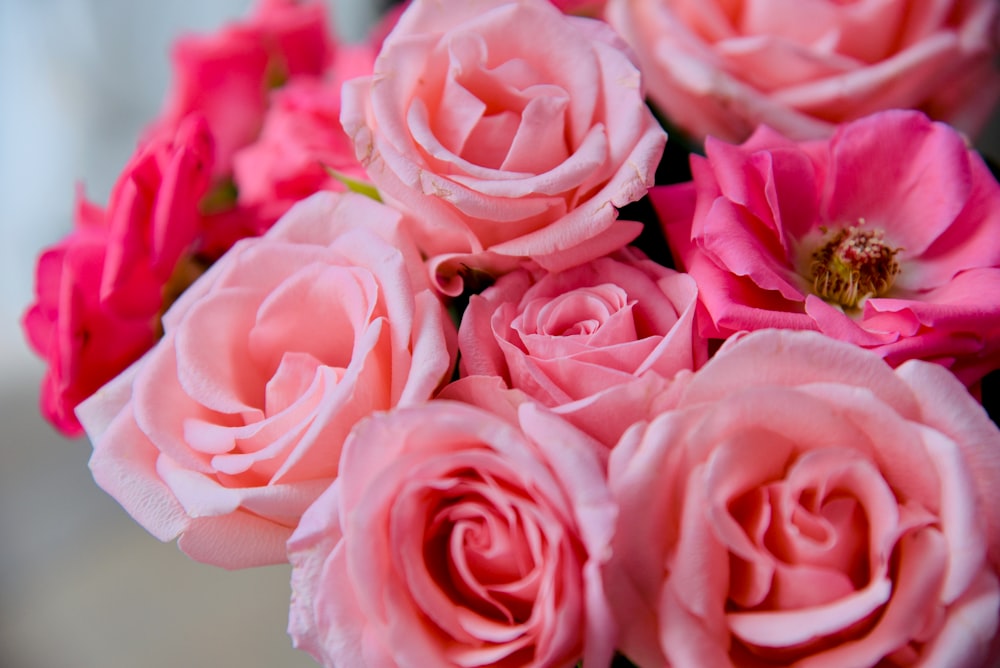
[(438, 320)]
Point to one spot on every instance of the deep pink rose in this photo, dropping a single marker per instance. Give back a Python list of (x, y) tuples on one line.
[(886, 236), (455, 538), (723, 67), (233, 423), (83, 342), (805, 504), (581, 7), (173, 210), (100, 290), (302, 140), (227, 75), (507, 130), (598, 342)]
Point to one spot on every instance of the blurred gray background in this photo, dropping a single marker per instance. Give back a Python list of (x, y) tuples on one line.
[(82, 585)]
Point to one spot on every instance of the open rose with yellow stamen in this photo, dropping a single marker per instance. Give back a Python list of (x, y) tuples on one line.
[(886, 236)]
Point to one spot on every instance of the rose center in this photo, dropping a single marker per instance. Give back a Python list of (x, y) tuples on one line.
[(852, 265)]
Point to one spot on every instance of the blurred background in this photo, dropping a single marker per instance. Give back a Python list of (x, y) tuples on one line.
[(82, 585)]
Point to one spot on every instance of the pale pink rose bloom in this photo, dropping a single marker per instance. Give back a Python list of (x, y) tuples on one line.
[(454, 537), (806, 504), (233, 423), (886, 236), (598, 342), (508, 131), (723, 67)]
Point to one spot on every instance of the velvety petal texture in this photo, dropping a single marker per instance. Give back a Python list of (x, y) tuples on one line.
[(804, 504), (887, 235), (233, 423), (598, 343), (502, 145), (722, 67), (457, 537)]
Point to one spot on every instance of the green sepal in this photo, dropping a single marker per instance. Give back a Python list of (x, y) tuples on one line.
[(355, 185)]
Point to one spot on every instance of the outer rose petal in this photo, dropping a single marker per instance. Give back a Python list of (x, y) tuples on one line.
[(232, 425), (361, 576), (791, 455)]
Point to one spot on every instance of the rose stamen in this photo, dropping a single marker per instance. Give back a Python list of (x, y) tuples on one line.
[(853, 265)]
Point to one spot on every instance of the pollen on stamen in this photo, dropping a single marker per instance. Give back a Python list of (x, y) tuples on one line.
[(854, 264)]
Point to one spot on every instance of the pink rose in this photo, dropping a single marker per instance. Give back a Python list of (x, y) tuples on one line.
[(84, 343), (301, 139), (581, 7), (100, 291), (456, 538), (227, 76), (804, 504), (173, 210), (503, 145), (722, 68), (598, 341), (232, 425), (886, 236)]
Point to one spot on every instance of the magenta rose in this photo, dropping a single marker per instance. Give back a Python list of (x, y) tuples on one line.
[(233, 423), (101, 289), (597, 342), (723, 67), (456, 538), (302, 143), (84, 343), (507, 130), (581, 7), (100, 292), (227, 75), (886, 236), (805, 504)]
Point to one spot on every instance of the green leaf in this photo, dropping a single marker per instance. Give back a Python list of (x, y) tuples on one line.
[(355, 185)]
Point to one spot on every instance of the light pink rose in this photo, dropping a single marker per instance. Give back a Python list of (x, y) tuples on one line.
[(723, 67), (507, 130), (804, 504), (233, 424), (886, 236), (456, 538), (598, 342)]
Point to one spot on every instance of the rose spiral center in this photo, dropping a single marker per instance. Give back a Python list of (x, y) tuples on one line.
[(852, 265)]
